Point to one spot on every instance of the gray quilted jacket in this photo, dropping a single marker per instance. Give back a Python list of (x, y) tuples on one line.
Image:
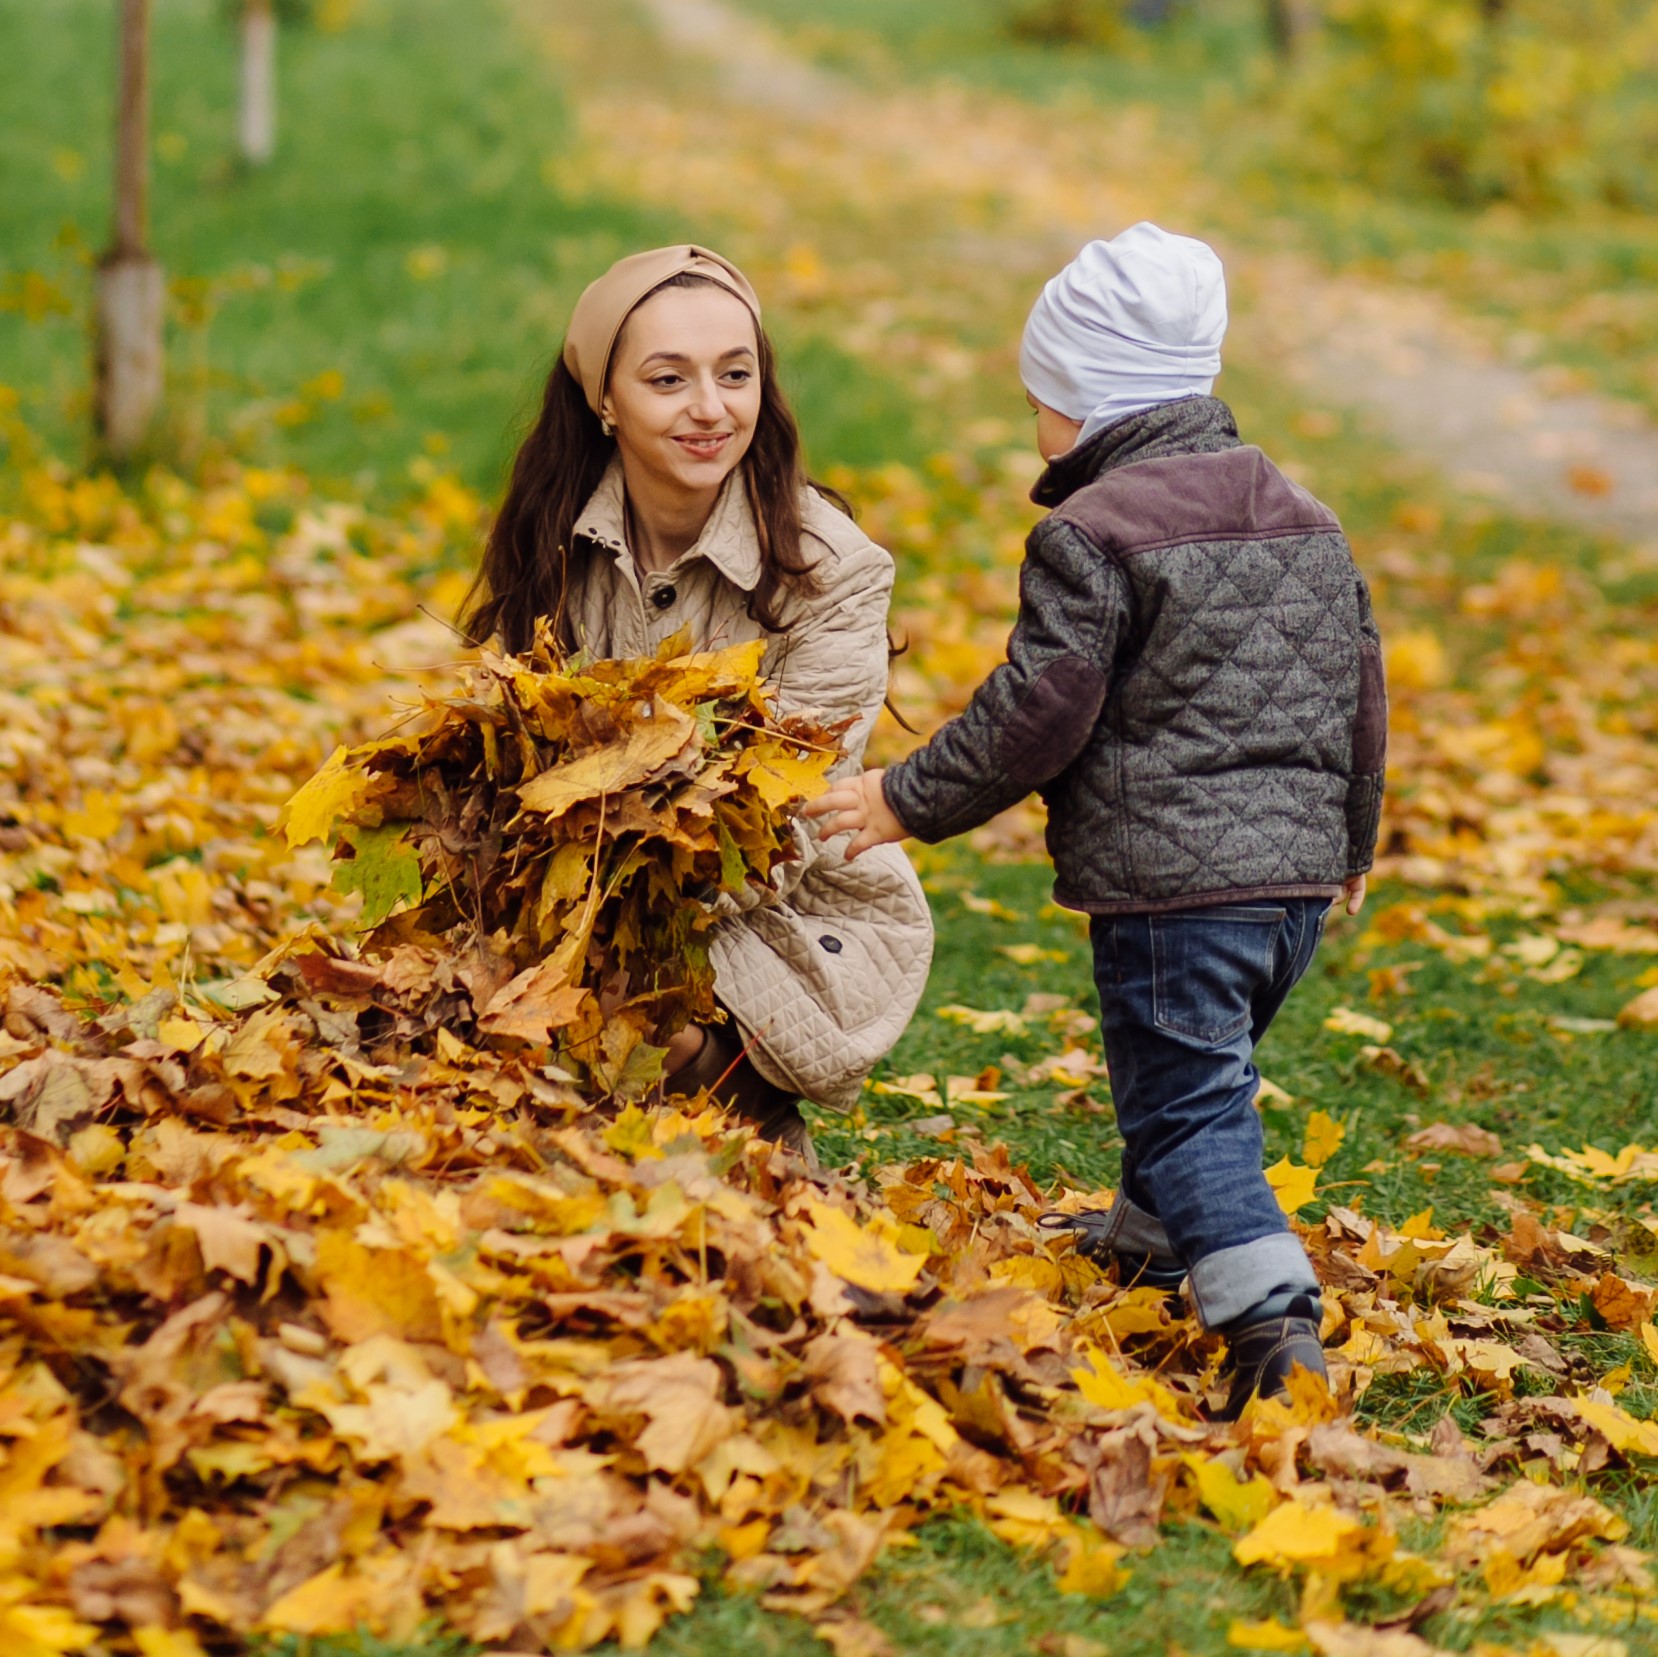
[(1194, 682)]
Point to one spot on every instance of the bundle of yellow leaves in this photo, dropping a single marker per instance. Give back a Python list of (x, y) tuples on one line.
[(564, 834)]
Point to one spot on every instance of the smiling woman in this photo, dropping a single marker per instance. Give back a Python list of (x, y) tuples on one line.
[(684, 400), (662, 490)]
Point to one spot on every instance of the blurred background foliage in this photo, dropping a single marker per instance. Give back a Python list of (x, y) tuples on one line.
[(346, 316), (1543, 103), (1500, 151), (388, 297)]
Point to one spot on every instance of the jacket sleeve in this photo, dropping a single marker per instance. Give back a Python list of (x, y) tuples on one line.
[(1035, 713), (1365, 783), (832, 661)]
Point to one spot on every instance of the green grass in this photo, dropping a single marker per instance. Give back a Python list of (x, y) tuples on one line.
[(957, 1591), (420, 235), (1482, 1037)]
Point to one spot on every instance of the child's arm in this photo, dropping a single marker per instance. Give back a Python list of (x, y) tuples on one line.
[(1033, 715)]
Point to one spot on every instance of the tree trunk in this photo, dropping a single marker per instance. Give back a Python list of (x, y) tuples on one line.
[(1287, 25), (130, 291), (258, 81)]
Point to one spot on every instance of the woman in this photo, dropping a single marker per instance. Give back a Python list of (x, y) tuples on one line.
[(662, 487)]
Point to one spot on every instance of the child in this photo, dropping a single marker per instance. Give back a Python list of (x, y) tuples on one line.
[(1194, 685)]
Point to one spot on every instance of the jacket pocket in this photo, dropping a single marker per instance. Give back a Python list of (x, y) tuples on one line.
[(1207, 967)]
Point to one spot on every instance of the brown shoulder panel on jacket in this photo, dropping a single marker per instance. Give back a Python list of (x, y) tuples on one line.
[(1053, 725), (1235, 495)]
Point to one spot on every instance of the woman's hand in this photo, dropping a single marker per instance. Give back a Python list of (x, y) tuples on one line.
[(858, 807), (1352, 894)]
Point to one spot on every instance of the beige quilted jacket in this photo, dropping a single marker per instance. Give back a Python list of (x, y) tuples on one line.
[(823, 975)]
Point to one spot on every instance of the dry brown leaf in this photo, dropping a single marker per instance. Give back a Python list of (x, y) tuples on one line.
[(1462, 1138)]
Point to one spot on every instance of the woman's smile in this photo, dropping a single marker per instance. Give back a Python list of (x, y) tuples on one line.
[(703, 445)]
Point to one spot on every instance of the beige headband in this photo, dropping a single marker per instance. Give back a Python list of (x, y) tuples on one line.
[(606, 304)]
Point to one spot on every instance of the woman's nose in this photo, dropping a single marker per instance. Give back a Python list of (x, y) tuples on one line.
[(708, 404)]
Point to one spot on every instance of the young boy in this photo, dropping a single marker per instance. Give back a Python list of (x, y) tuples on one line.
[(1194, 685)]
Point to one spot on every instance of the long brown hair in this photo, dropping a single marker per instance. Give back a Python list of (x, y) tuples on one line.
[(525, 570)]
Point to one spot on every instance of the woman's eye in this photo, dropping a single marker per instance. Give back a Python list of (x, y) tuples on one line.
[(739, 376), (666, 382)]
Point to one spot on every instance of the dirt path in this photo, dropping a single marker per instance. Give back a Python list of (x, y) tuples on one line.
[(983, 182)]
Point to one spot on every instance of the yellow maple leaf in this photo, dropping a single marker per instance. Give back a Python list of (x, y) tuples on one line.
[(182, 1034), (1107, 1386), (1093, 1569), (781, 776), (328, 1603), (1489, 1359), (858, 1255), (1030, 1271), (334, 792), (1293, 1185), (1322, 1139), (625, 763), (1623, 1431), (1508, 1578), (687, 679), (1025, 1518), (1313, 1536), (1416, 660), (1236, 1503), (97, 1149)]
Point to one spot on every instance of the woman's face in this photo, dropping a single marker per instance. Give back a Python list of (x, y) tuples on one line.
[(684, 392)]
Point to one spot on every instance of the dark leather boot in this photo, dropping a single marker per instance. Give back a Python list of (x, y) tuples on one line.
[(725, 1072), (1261, 1355)]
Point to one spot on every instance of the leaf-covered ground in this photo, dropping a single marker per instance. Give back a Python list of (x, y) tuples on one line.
[(296, 1340)]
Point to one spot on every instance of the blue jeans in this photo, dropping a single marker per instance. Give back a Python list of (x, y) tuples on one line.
[(1185, 995)]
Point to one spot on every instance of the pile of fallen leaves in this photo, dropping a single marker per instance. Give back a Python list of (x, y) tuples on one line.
[(563, 834), (296, 1342)]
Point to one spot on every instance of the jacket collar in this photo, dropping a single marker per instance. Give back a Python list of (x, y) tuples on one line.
[(729, 540), (1191, 426)]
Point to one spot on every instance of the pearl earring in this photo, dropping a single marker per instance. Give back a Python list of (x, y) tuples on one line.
[(606, 427)]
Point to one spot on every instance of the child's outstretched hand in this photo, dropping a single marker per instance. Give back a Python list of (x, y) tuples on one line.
[(860, 807)]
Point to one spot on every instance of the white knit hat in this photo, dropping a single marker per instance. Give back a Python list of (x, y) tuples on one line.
[(1128, 324)]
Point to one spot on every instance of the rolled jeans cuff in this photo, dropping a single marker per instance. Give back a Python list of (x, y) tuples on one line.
[(1132, 1231), (1227, 1283)]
